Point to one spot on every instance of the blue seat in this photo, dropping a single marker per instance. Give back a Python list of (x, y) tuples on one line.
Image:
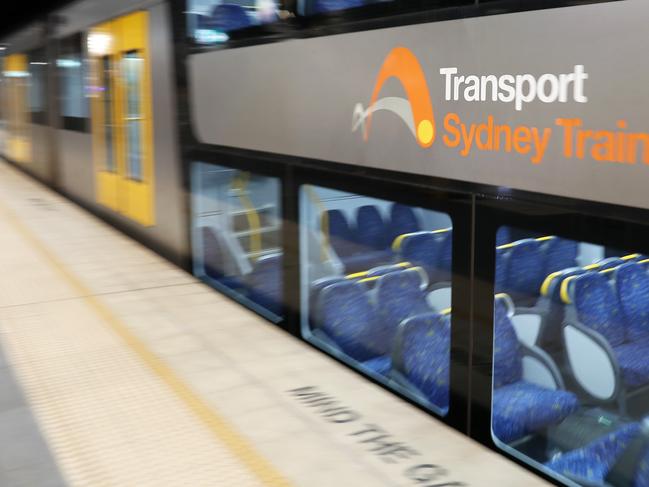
[(632, 285), (593, 463), (322, 6), (387, 269), (345, 241), (522, 270), (520, 407), (400, 295), (503, 236), (214, 258), (402, 220), (598, 325), (609, 263), (340, 233), (265, 282), (315, 314), (228, 17), (349, 319), (429, 250), (422, 357), (371, 230), (560, 253)]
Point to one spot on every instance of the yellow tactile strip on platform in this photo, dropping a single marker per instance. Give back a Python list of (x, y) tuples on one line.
[(113, 413)]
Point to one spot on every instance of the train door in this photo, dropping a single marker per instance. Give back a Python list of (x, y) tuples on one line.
[(16, 74), (122, 122)]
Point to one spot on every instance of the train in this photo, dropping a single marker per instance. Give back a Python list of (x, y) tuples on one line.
[(446, 196)]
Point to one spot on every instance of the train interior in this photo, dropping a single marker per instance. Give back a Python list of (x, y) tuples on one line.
[(570, 382), (569, 377)]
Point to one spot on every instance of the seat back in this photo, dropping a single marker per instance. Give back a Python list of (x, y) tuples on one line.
[(315, 313), (265, 282), (387, 269), (632, 285), (228, 17), (371, 230), (402, 220), (524, 269), (507, 363), (400, 295), (213, 254), (597, 306), (423, 355), (341, 236), (503, 236), (421, 249), (349, 319), (559, 253)]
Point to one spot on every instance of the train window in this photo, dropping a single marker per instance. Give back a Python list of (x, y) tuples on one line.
[(107, 107), (37, 69), (72, 94), (212, 22), (376, 289), (236, 235), (571, 357), (133, 67)]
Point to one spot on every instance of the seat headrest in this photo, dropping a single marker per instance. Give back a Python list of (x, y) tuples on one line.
[(415, 275)]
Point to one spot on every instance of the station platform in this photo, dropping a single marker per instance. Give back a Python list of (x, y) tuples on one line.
[(119, 369)]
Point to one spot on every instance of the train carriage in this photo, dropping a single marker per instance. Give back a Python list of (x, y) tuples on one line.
[(447, 196)]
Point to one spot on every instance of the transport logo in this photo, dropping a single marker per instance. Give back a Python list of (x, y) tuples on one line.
[(479, 131), (415, 110)]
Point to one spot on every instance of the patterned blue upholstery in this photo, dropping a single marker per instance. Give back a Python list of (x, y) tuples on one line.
[(560, 253), (402, 220), (525, 269), (445, 256), (422, 249), (425, 349), (632, 284), (380, 365), (597, 306), (214, 259), (500, 278), (371, 230), (265, 282), (503, 236), (349, 319), (633, 359), (228, 17), (322, 6), (366, 260), (341, 235), (315, 314), (399, 296), (507, 356), (520, 408), (594, 462), (609, 263), (555, 289)]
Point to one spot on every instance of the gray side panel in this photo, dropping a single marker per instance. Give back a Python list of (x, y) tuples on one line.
[(76, 170), (41, 159), (297, 97)]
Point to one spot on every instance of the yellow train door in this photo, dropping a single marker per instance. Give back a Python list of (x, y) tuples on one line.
[(16, 77), (121, 111)]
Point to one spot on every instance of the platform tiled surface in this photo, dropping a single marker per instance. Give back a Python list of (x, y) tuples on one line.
[(135, 374)]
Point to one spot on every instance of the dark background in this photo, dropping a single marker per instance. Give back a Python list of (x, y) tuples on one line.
[(14, 14)]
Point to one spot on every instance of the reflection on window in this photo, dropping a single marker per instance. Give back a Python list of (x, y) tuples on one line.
[(72, 96), (571, 358), (107, 94), (213, 21), (376, 289), (237, 234), (37, 74), (133, 68)]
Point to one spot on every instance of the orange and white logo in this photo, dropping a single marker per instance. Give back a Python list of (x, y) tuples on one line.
[(415, 109)]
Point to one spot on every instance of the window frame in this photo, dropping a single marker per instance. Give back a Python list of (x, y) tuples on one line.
[(374, 16), (38, 55), (457, 205), (583, 221), (68, 122)]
